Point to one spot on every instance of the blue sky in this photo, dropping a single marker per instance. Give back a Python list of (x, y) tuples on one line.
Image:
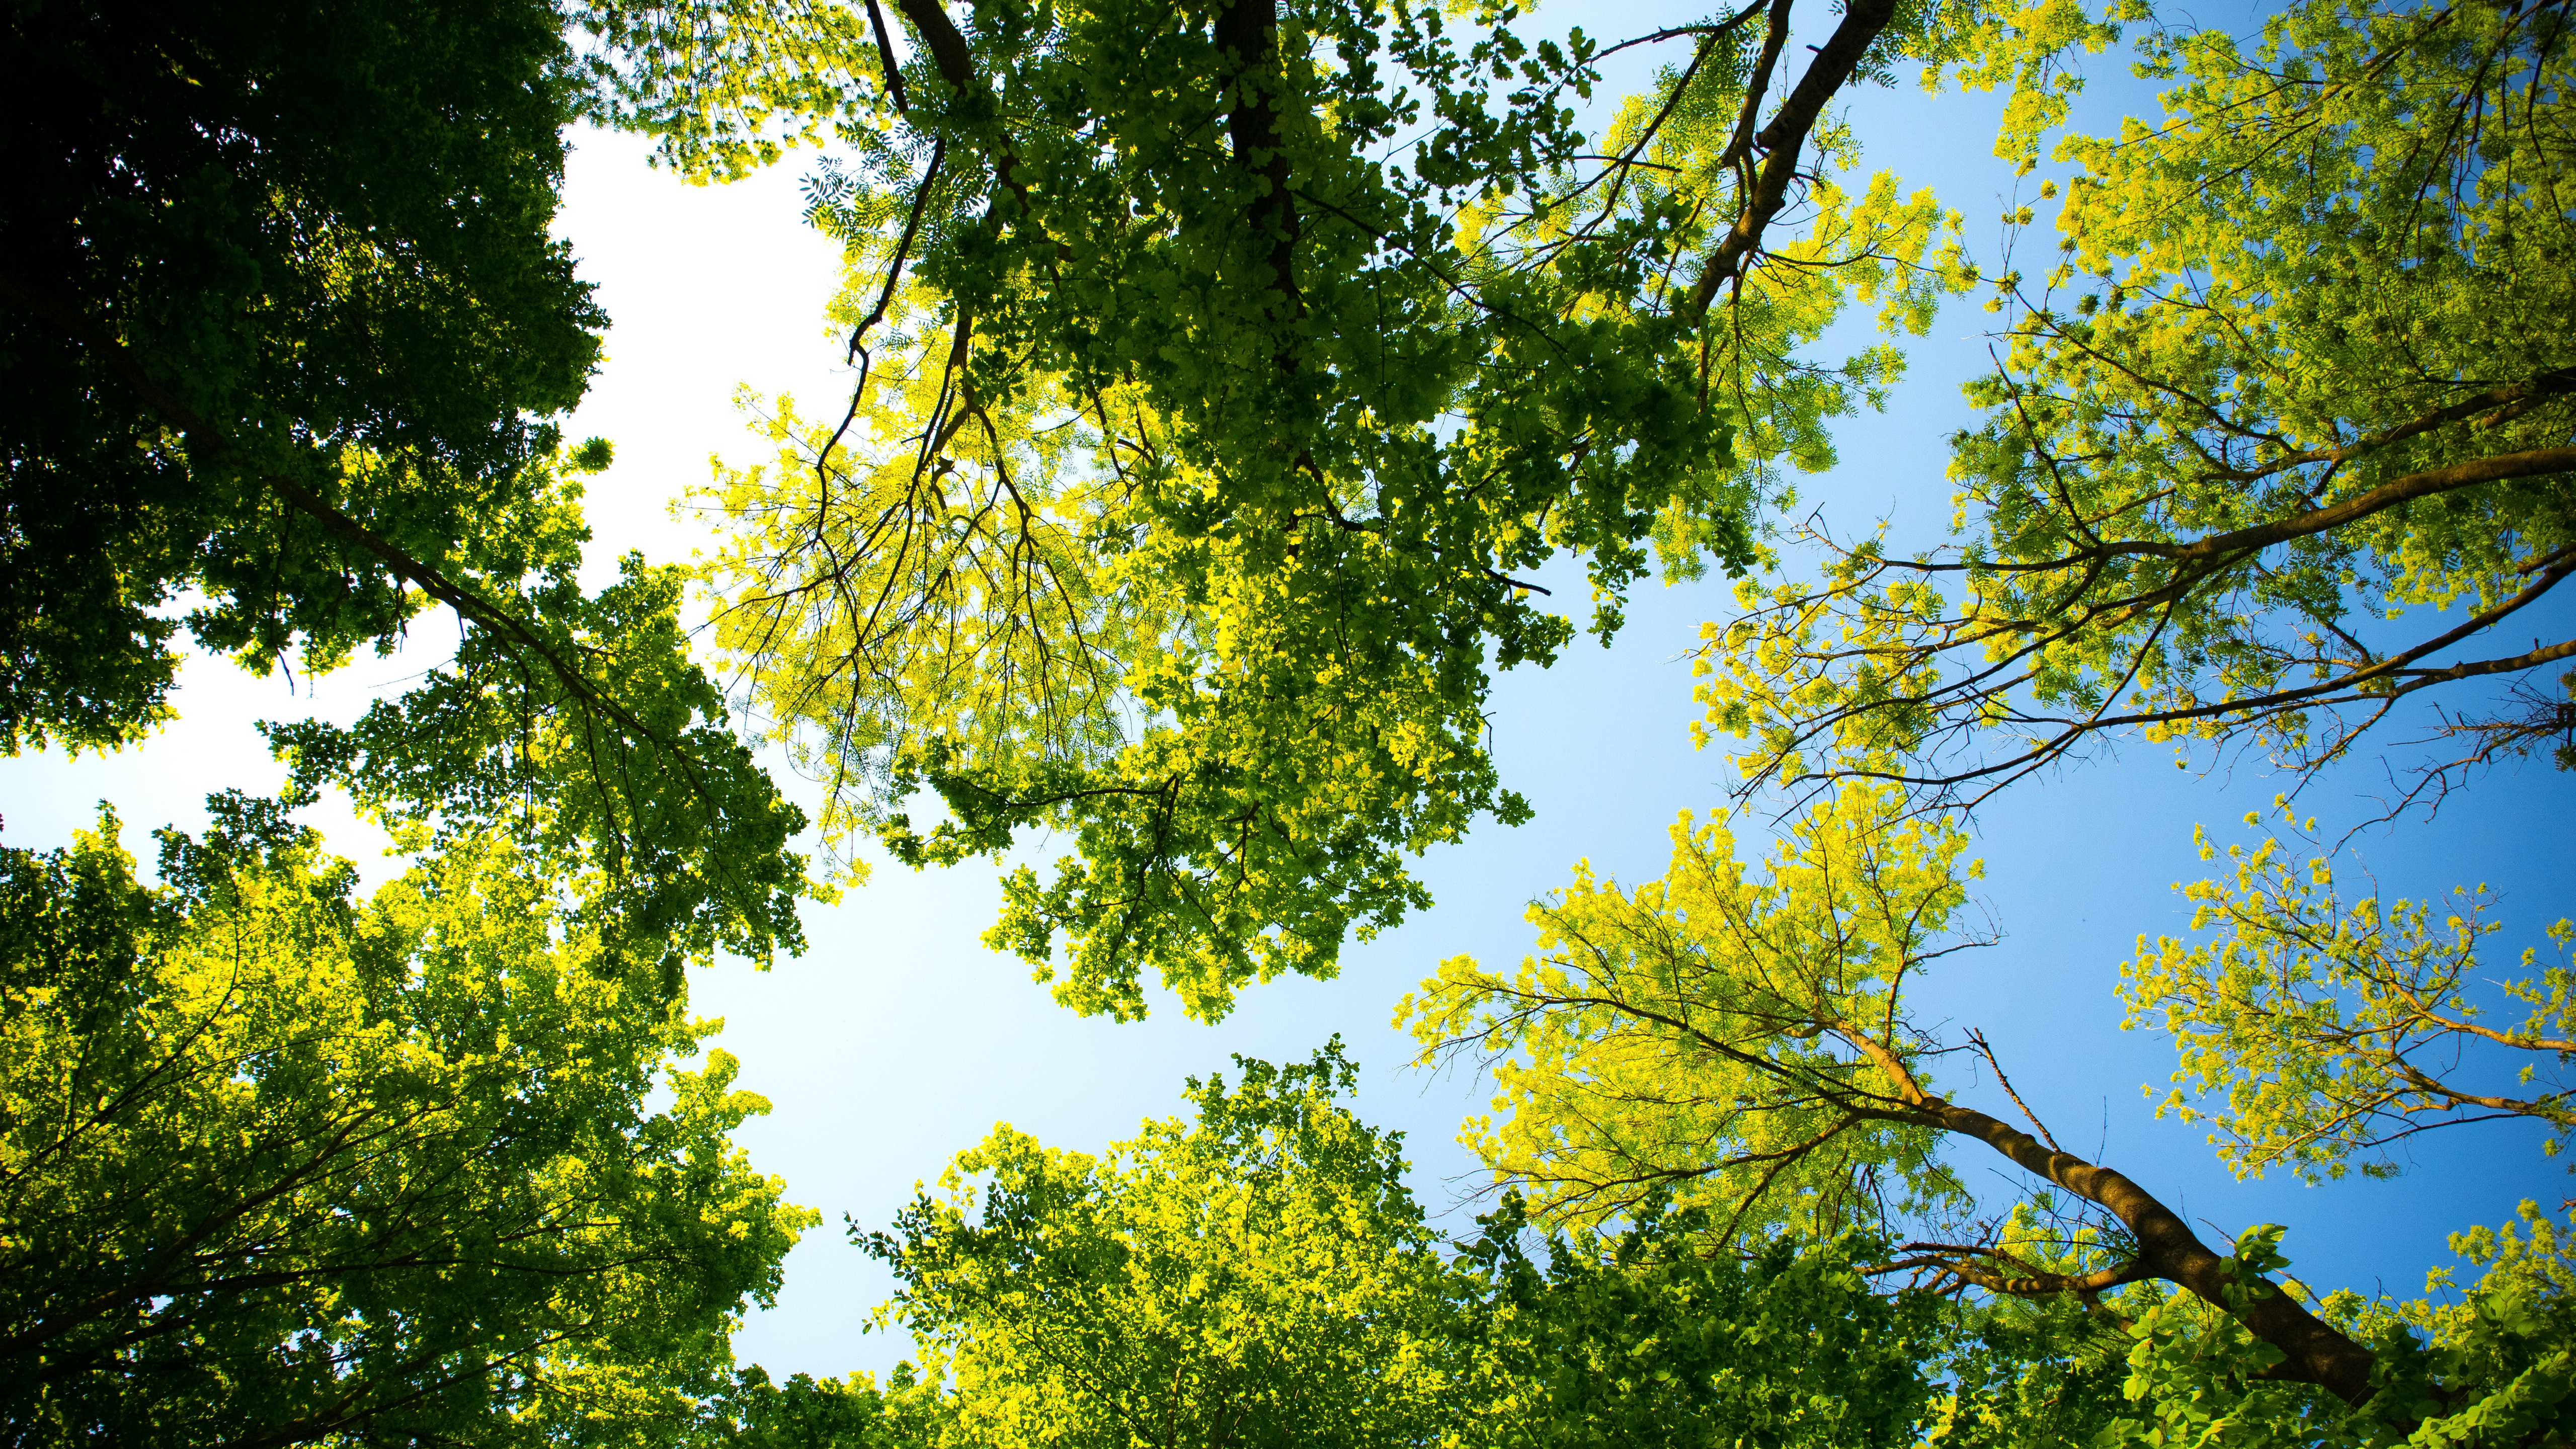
[(898, 1040)]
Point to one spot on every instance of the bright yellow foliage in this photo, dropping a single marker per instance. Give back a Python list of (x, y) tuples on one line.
[(278, 1162), (1658, 1040), (2316, 1029)]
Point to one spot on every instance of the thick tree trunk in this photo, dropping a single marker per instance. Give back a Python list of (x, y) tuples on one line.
[(2168, 1249), (1249, 29)]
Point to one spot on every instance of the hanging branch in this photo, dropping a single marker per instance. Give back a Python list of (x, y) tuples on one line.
[(211, 445)]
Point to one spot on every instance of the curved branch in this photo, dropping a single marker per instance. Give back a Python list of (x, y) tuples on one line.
[(2168, 1249), (430, 580), (1785, 137)]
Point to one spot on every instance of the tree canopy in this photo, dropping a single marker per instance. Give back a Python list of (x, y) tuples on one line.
[(2293, 387), (287, 338), (282, 1165), (1201, 458), (1742, 1042), (1261, 1275), (269, 273), (1235, 387)]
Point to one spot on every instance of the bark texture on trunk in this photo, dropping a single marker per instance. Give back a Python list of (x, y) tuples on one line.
[(1249, 31), (2169, 1249)]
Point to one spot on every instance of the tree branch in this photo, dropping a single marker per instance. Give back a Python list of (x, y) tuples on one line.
[(1785, 137), (210, 444)]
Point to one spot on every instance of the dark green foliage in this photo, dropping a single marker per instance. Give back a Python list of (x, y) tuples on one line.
[(2033, 1372), (279, 342), (1648, 1339), (641, 784), (243, 243)]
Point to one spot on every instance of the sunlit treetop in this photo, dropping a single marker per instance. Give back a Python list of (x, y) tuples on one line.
[(1743, 1040), (1227, 376), (286, 1163), (2280, 446), (1261, 1275), (2318, 1026), (1210, 1280)]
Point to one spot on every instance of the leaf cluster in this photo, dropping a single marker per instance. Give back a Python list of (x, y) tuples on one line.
[(278, 1164), (2330, 1029), (1225, 375), (2292, 390)]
